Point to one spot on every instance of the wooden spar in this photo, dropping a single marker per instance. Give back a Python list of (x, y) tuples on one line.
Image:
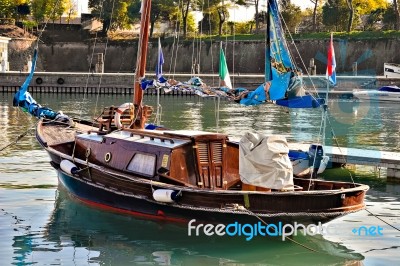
[(141, 64)]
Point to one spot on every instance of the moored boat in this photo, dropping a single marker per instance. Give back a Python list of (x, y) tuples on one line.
[(384, 94), (180, 175)]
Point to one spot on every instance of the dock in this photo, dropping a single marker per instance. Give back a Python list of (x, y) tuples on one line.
[(122, 83), (353, 156)]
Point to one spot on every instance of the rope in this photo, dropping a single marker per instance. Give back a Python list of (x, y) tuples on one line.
[(289, 238), (47, 21), (376, 216), (17, 139), (340, 150), (90, 65), (105, 53)]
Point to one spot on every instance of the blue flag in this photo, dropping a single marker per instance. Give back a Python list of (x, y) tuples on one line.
[(160, 62)]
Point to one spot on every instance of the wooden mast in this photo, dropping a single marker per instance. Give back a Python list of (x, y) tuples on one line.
[(142, 112)]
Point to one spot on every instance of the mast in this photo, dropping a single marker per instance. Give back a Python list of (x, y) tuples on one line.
[(141, 112)]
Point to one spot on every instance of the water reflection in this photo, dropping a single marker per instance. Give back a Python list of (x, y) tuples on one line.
[(79, 233), (355, 124), (72, 233)]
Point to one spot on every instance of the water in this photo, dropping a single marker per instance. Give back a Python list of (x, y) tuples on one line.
[(40, 224)]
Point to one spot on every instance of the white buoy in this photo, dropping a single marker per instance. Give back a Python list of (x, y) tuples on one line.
[(69, 167), (165, 195)]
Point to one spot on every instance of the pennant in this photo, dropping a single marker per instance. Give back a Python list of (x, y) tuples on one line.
[(331, 65), (223, 71)]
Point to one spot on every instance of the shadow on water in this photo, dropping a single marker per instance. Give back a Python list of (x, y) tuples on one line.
[(83, 234)]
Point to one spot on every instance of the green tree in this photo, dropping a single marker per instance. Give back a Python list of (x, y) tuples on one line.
[(291, 14), (208, 24), (368, 6), (396, 14), (351, 14), (6, 8), (71, 10), (389, 17), (216, 9), (160, 11), (316, 3), (256, 4), (39, 10), (14, 8), (56, 10), (185, 6), (335, 14), (111, 13)]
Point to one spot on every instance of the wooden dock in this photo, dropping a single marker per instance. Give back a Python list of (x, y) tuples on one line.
[(382, 159)]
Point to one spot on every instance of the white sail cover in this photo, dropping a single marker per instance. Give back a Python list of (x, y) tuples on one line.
[(264, 161)]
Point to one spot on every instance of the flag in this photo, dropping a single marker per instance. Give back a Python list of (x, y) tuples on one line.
[(223, 71), (331, 65), (160, 62)]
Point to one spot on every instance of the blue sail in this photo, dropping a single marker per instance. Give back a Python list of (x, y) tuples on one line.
[(25, 101), (280, 69)]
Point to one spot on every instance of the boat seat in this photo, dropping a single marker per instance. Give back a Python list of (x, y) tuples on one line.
[(106, 119)]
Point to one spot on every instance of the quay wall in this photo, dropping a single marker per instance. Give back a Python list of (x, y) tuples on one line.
[(110, 83), (243, 57)]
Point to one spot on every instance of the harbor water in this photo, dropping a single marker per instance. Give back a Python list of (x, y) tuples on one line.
[(41, 224)]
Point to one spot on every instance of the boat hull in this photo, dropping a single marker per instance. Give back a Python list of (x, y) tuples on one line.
[(381, 96), (140, 207)]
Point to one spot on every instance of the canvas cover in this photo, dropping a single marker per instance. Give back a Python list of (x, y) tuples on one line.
[(264, 161)]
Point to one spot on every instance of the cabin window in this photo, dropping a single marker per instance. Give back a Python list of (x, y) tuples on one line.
[(144, 164)]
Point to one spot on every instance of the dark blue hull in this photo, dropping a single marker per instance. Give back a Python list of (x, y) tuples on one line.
[(140, 207)]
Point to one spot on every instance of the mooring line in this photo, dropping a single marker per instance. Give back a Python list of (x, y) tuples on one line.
[(291, 239), (17, 139), (376, 216)]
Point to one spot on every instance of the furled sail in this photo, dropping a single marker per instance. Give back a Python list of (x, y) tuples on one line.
[(25, 101), (286, 85)]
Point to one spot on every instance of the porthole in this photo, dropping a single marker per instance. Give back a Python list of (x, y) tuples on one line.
[(107, 157)]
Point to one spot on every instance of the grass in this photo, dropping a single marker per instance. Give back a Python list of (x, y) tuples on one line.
[(354, 35)]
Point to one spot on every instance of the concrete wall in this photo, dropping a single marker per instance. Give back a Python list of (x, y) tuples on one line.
[(243, 57)]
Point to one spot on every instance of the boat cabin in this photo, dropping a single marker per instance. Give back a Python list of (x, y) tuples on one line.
[(189, 158)]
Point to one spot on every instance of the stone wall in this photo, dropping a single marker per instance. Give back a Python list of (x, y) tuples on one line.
[(243, 57)]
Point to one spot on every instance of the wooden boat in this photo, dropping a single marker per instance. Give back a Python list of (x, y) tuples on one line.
[(177, 175)]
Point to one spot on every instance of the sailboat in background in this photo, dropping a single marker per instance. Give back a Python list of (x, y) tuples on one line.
[(180, 175)]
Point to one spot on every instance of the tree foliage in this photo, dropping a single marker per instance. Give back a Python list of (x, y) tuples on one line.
[(335, 15), (113, 14), (215, 12), (291, 14), (160, 11)]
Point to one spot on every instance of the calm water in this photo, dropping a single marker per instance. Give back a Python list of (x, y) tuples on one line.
[(40, 224)]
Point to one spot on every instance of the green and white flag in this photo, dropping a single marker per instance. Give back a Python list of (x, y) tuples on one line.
[(223, 71)]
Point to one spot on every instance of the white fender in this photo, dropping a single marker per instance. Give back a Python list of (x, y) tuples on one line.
[(164, 195), (323, 164), (68, 167), (120, 110)]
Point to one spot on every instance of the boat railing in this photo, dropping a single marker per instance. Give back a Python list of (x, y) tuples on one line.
[(150, 135)]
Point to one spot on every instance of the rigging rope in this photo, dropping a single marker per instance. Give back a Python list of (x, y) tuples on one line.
[(18, 138), (90, 64)]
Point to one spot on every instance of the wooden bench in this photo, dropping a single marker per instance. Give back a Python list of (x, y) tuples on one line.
[(106, 119)]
